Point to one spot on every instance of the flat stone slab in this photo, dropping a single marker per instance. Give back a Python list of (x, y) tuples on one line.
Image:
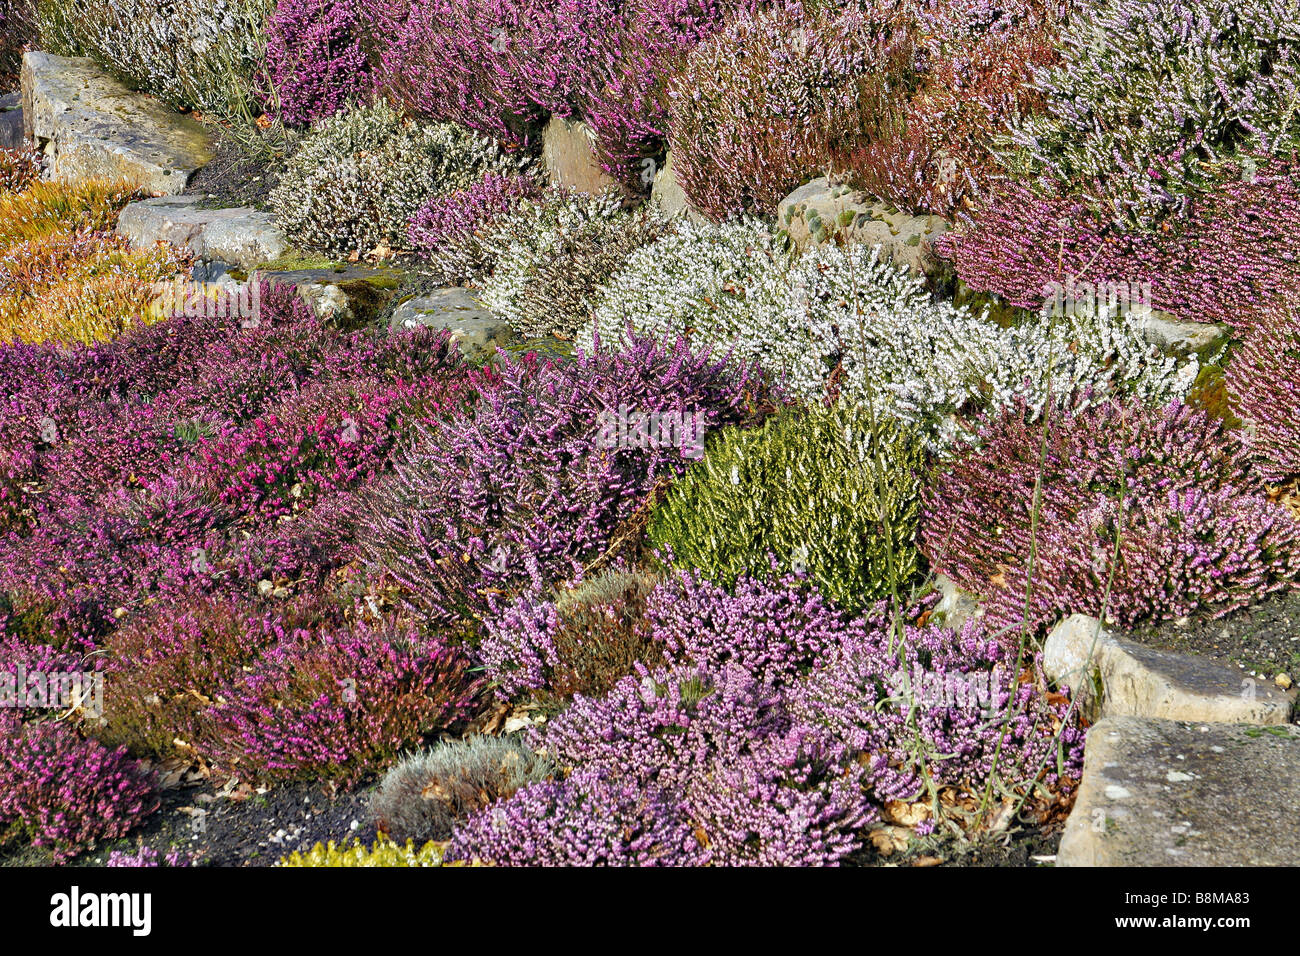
[(1177, 793), (238, 236), (474, 328), (11, 121), (1141, 681), (92, 126)]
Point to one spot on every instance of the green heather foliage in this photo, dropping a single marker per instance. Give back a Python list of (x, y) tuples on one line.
[(383, 853), (830, 492)]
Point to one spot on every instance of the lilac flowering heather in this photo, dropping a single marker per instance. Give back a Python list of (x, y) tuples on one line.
[(1263, 382), (963, 696), (519, 492), (449, 230), (774, 630), (65, 793), (314, 61), (1178, 553), (581, 643), (1223, 260), (587, 820), (335, 702), (148, 856)]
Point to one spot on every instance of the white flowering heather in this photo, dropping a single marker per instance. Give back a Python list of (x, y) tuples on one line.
[(555, 253), (714, 282), (359, 177), (202, 53), (840, 321)]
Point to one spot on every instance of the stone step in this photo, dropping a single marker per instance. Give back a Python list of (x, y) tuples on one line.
[(1178, 793), (92, 126), (238, 237), (1110, 676), (474, 327)]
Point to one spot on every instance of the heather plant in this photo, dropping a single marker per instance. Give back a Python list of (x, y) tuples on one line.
[(425, 795), (1151, 94), (193, 53), (504, 67), (336, 702), (19, 168), (1262, 383), (167, 666), (146, 856), (383, 853), (450, 231), (48, 207), (358, 178), (553, 254), (314, 59), (65, 793), (763, 105), (518, 492), (1169, 494), (828, 493), (581, 643), (1222, 260), (587, 819), (17, 28), (841, 322)]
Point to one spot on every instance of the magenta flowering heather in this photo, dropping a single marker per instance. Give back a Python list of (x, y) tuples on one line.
[(314, 60), (65, 793), (450, 229)]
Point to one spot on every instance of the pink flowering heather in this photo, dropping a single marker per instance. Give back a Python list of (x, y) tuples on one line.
[(450, 229), (1224, 260), (65, 793), (519, 492), (314, 61), (1263, 382), (335, 703), (148, 856), (1195, 531)]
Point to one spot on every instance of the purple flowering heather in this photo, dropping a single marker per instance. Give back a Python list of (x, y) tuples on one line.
[(449, 230), (65, 793), (314, 60), (520, 492)]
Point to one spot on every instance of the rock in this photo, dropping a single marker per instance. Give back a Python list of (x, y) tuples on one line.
[(1141, 681), (1177, 336), (1171, 793), (569, 158), (474, 328), (820, 211), (92, 126), (239, 237), (670, 196), (11, 122), (350, 297), (955, 606)]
